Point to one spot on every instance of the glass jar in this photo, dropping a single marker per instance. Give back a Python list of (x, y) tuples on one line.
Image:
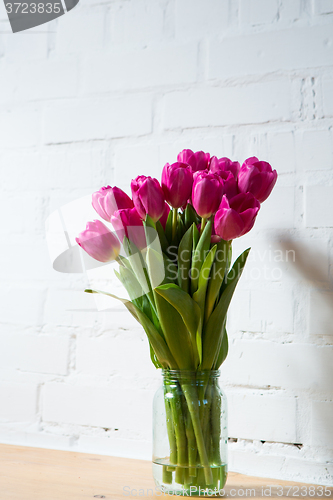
[(190, 435)]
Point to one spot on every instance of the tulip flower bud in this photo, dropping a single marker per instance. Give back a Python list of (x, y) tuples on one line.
[(236, 217), (148, 197), (127, 222), (177, 180), (224, 165), (197, 161), (99, 242), (257, 177), (207, 192), (108, 200)]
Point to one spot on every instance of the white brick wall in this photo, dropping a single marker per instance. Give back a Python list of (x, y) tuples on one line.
[(117, 88)]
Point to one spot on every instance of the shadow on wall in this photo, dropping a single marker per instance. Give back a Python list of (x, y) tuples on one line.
[(314, 268)]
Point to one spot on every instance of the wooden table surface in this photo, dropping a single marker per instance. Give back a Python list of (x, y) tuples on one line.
[(39, 474)]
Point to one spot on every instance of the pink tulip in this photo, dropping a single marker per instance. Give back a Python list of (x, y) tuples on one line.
[(225, 165), (257, 177), (164, 218), (207, 192), (230, 187), (108, 200), (197, 161), (127, 222), (237, 216), (177, 180), (148, 197), (98, 241)]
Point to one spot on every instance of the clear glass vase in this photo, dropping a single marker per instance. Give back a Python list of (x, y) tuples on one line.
[(190, 435)]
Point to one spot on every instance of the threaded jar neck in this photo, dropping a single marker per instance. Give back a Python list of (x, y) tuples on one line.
[(190, 376)]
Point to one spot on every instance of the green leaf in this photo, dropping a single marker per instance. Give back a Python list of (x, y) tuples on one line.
[(157, 342), (199, 255), (162, 237), (156, 269), (217, 276), (189, 312), (223, 351), (184, 260), (200, 295), (213, 329), (175, 331), (190, 216), (171, 270), (168, 228)]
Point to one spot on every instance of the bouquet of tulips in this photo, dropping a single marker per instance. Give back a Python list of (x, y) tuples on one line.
[(172, 241)]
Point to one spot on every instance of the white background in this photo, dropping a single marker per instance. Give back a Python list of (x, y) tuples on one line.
[(115, 89)]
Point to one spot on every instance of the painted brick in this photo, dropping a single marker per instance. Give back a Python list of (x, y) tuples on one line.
[(322, 424), (323, 7), (20, 126), (138, 22), (97, 119), (196, 19), (25, 299), (131, 161), (305, 367), (320, 313), (96, 406), (114, 71), (267, 418), (319, 206), (212, 106), (18, 402), (281, 151), (34, 353), (262, 54), (315, 150), (263, 12), (82, 32), (278, 313), (279, 209), (327, 89), (106, 355)]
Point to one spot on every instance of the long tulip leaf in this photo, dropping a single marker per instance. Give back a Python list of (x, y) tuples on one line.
[(184, 260), (190, 216), (200, 295), (175, 331), (213, 329), (223, 350), (199, 255), (162, 237), (189, 312), (217, 276)]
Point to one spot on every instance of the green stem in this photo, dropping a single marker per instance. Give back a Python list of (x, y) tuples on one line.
[(203, 223), (174, 222), (216, 426), (178, 421), (170, 430), (193, 405)]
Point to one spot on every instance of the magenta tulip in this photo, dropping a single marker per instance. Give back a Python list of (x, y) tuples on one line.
[(177, 180), (207, 192), (164, 218), (224, 165), (197, 161), (148, 197), (108, 200), (257, 177), (98, 241), (127, 222), (236, 217), (230, 186)]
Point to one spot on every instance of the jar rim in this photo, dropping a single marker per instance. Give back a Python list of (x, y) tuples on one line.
[(190, 373)]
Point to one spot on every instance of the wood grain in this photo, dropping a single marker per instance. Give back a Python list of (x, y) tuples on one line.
[(39, 474)]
